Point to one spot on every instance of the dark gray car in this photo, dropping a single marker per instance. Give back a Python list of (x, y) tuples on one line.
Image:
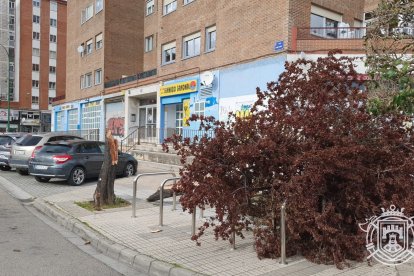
[(75, 161), (6, 142), (27, 147)]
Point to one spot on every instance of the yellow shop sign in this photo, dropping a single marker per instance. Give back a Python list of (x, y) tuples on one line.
[(178, 88)]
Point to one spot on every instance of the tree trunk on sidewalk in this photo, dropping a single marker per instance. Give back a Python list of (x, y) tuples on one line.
[(104, 193)]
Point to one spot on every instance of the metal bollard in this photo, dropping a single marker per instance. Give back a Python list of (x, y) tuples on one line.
[(193, 224), (134, 195), (162, 198), (283, 234)]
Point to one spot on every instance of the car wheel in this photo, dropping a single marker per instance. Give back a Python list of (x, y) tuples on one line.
[(5, 168), (77, 176), (129, 169), (22, 172), (42, 179)]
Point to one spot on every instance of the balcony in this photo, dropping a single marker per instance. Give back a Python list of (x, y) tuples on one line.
[(310, 39)]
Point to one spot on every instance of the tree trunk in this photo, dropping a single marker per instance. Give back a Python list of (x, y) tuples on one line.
[(104, 193)]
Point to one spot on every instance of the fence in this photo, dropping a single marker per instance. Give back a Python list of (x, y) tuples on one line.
[(155, 135), (331, 33)]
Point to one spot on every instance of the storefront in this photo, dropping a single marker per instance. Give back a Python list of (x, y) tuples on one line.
[(181, 98), (115, 116), (83, 118), (14, 120), (30, 121)]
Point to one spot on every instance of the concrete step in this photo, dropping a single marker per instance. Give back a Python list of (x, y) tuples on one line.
[(152, 148), (157, 157)]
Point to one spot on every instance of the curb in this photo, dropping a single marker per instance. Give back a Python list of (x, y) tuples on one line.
[(140, 262), (15, 191)]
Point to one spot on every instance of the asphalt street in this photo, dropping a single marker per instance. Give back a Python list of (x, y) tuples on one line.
[(32, 245)]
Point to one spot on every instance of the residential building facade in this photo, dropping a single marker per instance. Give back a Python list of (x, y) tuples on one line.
[(204, 57), (32, 61)]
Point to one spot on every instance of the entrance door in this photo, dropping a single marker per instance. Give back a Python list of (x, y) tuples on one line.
[(148, 123)]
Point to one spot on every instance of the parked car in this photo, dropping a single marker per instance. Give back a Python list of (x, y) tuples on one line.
[(6, 142), (27, 147), (75, 161)]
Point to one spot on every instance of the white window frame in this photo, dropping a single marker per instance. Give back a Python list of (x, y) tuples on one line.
[(190, 46), (52, 71), (52, 54), (186, 2), (98, 41), (87, 13), (35, 67), (82, 82), (169, 6), (52, 85), (35, 83), (99, 6), (36, 3), (200, 108), (35, 99), (36, 19), (36, 36), (169, 48), (98, 76), (209, 32), (149, 43), (89, 46), (149, 7), (88, 80), (53, 38), (53, 22)]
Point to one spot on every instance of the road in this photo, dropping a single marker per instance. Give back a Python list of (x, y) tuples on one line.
[(32, 245)]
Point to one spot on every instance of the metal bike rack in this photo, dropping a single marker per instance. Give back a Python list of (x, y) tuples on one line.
[(283, 234), (162, 197), (134, 197)]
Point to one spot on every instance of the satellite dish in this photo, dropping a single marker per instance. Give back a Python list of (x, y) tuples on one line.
[(80, 49), (207, 78)]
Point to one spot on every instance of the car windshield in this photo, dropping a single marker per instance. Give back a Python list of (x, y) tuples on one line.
[(29, 140), (49, 148)]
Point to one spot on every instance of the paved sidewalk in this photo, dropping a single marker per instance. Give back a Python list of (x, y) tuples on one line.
[(171, 244)]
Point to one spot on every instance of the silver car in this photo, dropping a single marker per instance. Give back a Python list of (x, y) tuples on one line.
[(29, 145), (6, 142)]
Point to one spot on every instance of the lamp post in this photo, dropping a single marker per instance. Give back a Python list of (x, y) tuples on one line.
[(8, 85)]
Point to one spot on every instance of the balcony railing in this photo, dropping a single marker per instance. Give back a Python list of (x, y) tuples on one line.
[(311, 33), (135, 77)]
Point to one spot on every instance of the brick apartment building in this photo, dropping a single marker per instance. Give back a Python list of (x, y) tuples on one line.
[(32, 62), (167, 59)]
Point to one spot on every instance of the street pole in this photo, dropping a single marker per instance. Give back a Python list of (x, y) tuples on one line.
[(8, 90)]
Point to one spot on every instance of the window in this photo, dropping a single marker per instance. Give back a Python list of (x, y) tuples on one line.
[(52, 69), (324, 22), (199, 108), (82, 82), (35, 67), (211, 38), (52, 85), (87, 14), (35, 100), (169, 6), (150, 7), (35, 52), (98, 41), (98, 76), (36, 19), (187, 2), (35, 83), (53, 22), (73, 119), (52, 54), (88, 80), (36, 35), (149, 43), (99, 6), (53, 38), (191, 45), (168, 53), (89, 44), (36, 3)]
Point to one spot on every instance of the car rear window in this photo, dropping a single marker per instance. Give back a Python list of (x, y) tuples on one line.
[(29, 140), (5, 140), (56, 148)]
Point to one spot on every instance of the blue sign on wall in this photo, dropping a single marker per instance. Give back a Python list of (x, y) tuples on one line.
[(279, 45)]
